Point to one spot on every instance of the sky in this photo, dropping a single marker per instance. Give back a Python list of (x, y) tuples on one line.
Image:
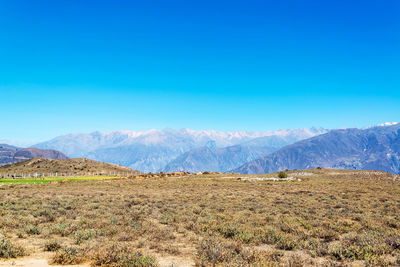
[(81, 66)]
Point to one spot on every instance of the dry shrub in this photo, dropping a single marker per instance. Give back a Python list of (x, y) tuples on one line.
[(83, 235), (118, 255), (282, 175), (9, 250), (219, 252), (32, 230), (52, 245), (393, 241), (69, 255), (367, 245)]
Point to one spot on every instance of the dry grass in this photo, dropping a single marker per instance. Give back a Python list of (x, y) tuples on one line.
[(332, 218)]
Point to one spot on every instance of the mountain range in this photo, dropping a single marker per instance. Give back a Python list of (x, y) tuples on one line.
[(157, 150), (169, 150), (375, 148)]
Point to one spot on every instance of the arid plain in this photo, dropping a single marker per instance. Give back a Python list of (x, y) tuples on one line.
[(322, 217)]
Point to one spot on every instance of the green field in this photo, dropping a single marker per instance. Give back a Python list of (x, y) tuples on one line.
[(47, 180)]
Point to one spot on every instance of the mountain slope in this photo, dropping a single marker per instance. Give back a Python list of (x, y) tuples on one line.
[(147, 158), (153, 150), (216, 159), (376, 148), (10, 154), (76, 166)]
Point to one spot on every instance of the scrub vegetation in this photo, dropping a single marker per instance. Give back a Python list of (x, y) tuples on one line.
[(47, 180), (329, 218)]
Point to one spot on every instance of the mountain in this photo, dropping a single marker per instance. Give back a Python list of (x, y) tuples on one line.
[(7, 153), (76, 166), (10, 154), (207, 158), (375, 148), (285, 137), (152, 150)]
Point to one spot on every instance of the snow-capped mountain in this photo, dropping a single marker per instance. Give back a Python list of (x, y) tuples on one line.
[(152, 150), (387, 124)]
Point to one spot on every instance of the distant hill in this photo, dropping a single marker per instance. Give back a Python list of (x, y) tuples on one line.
[(153, 150), (217, 159), (375, 148), (10, 154), (77, 166)]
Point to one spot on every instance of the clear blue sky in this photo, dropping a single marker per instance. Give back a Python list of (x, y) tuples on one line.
[(80, 66)]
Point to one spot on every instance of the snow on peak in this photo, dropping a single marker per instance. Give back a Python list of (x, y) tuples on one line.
[(387, 124)]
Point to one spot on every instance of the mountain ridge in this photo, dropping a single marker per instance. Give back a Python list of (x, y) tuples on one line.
[(216, 159), (11, 154), (152, 150), (376, 148)]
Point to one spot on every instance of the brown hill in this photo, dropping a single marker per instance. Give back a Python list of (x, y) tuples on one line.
[(75, 166), (12, 154)]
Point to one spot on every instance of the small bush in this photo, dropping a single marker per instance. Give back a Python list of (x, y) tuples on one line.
[(62, 229), (287, 242), (8, 250), (68, 255), (213, 251), (20, 234), (32, 230), (282, 175), (48, 215), (84, 235), (52, 245), (219, 252), (393, 241), (120, 256), (360, 246)]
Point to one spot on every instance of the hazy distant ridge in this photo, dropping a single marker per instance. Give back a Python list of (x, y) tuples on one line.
[(217, 159), (11, 154), (152, 150)]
